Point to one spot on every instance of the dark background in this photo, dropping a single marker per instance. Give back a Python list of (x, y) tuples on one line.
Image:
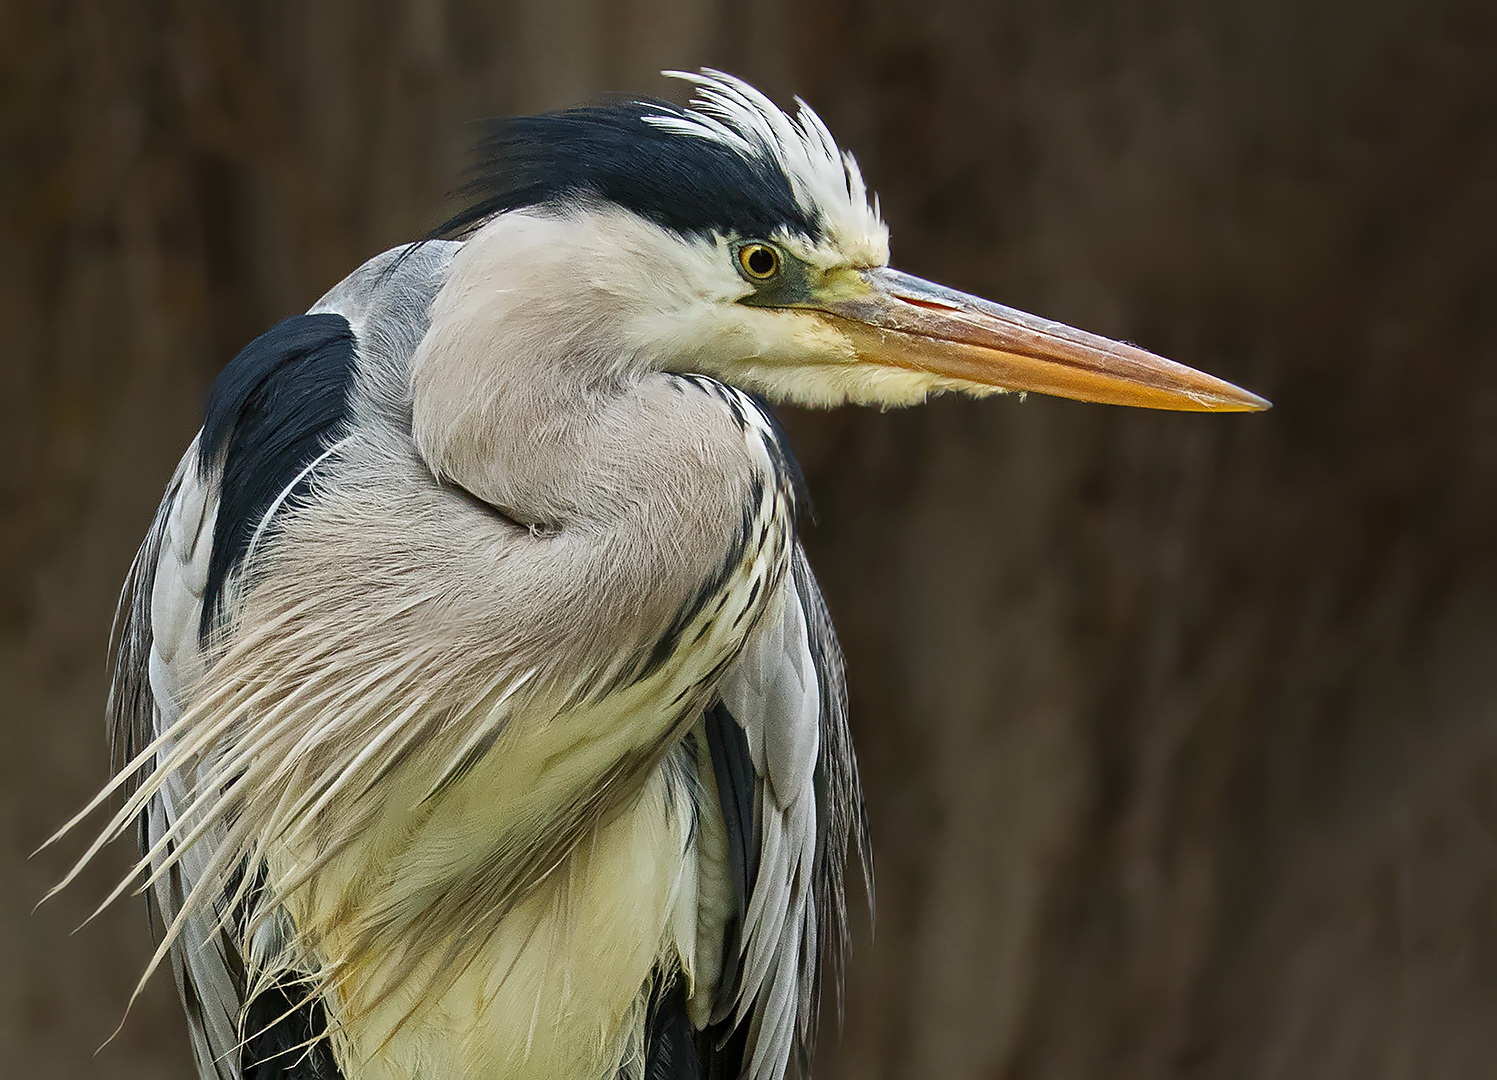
[(1179, 732)]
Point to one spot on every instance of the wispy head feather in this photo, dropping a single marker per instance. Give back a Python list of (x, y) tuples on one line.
[(826, 180), (732, 163)]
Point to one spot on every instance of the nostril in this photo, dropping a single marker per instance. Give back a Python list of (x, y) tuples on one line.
[(929, 305)]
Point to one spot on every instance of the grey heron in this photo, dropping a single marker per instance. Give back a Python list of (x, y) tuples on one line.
[(477, 709)]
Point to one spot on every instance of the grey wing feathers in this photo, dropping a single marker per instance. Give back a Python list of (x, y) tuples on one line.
[(156, 658), (787, 693), (158, 655), (839, 793)]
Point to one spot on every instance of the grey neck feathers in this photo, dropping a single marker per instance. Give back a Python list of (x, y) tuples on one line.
[(523, 396)]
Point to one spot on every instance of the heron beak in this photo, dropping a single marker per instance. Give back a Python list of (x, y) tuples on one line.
[(898, 320)]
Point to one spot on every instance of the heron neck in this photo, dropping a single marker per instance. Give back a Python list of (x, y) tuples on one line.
[(535, 409)]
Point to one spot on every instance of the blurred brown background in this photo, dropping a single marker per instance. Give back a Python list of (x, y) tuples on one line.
[(1180, 733)]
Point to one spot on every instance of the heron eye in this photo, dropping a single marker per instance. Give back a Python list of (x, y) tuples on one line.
[(760, 262)]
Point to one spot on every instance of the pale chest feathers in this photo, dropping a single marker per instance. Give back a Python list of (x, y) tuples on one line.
[(505, 918)]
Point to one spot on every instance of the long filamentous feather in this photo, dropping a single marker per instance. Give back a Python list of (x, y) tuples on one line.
[(201, 731)]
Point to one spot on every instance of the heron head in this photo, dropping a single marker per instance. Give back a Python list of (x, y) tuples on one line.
[(736, 240)]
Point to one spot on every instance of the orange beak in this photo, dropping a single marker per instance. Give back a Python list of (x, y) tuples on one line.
[(896, 320)]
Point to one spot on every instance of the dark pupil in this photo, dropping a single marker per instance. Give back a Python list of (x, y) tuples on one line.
[(761, 261)]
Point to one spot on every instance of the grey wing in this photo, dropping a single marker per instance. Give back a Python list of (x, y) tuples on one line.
[(203, 535), (788, 695), (157, 657)]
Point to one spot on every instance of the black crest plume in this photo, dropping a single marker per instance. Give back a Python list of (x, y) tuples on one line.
[(612, 153)]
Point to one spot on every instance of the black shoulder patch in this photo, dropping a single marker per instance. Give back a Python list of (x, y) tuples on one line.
[(671, 1050), (675, 1050), (283, 1028), (689, 184), (269, 414), (733, 769), (285, 1038)]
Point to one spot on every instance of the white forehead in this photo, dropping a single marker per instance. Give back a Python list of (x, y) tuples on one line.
[(826, 180)]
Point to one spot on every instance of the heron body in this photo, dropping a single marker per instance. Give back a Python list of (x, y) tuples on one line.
[(481, 715)]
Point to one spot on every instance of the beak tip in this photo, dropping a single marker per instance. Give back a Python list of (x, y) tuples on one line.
[(1246, 401)]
